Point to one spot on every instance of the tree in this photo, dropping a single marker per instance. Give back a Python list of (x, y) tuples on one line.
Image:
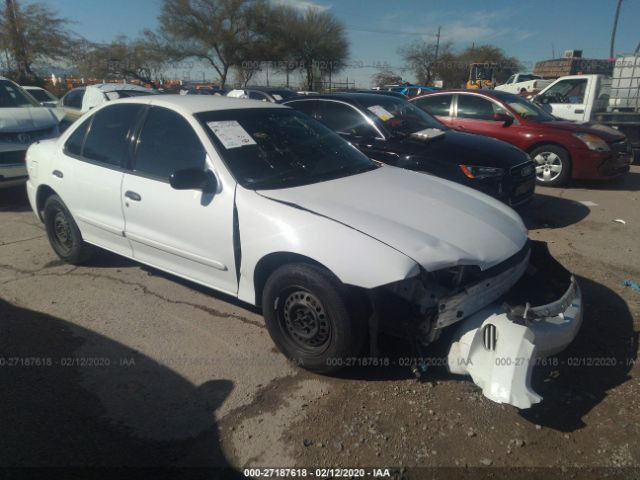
[(33, 34), (420, 57), (454, 69), (139, 59), (224, 33), (385, 77)]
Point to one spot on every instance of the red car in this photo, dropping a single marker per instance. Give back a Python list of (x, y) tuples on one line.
[(562, 150)]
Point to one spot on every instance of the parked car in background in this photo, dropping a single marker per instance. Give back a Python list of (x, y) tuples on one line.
[(394, 131), (265, 94), (561, 150), (44, 97), (614, 101), (221, 92), (80, 100), (411, 91), (523, 83), (261, 202), (22, 121)]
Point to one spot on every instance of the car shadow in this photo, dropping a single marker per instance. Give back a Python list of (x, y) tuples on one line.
[(546, 211), (72, 399), (598, 360), (14, 199), (627, 183)]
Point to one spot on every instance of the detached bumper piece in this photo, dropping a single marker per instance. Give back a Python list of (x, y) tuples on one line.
[(499, 345)]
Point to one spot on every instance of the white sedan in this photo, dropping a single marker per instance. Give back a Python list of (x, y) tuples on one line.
[(263, 203)]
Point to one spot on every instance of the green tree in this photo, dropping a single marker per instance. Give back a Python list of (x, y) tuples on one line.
[(31, 35)]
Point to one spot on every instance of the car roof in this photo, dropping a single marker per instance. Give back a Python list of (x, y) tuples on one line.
[(349, 97), (192, 104), (482, 91), (112, 87)]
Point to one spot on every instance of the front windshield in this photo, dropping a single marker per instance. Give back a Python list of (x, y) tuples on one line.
[(12, 96), (528, 110), (399, 117), (280, 148)]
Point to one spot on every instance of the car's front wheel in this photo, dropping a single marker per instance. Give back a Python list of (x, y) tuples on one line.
[(307, 316), (63, 232), (553, 167)]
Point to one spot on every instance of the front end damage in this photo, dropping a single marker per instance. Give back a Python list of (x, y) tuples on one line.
[(506, 319)]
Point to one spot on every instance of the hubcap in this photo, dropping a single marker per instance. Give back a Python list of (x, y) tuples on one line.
[(305, 321), (62, 231), (548, 166)]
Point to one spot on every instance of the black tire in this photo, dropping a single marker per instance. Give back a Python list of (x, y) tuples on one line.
[(308, 318), (547, 159), (63, 233)]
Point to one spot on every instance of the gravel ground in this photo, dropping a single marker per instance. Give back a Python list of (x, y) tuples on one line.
[(137, 368)]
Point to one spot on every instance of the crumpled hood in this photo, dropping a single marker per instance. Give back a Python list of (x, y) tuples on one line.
[(435, 222), (26, 119)]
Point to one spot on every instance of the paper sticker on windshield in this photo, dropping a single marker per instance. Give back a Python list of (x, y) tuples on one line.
[(380, 112), (231, 134), (276, 97)]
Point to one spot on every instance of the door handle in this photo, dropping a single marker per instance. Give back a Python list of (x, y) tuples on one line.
[(57, 173), (133, 196)]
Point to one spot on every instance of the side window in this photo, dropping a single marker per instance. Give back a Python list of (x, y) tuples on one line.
[(75, 141), (167, 143), (474, 108), (345, 119), (73, 99), (107, 141), (305, 106), (436, 105), (257, 96), (567, 91)]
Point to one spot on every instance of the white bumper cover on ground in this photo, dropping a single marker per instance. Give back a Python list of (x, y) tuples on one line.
[(499, 353)]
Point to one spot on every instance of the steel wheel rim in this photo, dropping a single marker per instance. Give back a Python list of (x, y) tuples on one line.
[(304, 321), (62, 232), (548, 166)]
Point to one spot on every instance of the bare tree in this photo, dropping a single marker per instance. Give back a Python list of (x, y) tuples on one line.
[(385, 77), (421, 57), (224, 33), (33, 34)]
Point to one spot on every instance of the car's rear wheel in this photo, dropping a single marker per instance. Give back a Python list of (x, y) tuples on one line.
[(307, 316), (63, 232), (553, 167)]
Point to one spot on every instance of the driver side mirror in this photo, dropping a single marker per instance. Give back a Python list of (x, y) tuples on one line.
[(193, 179), (504, 118)]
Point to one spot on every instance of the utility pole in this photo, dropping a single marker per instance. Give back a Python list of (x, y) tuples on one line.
[(615, 27), (437, 45)]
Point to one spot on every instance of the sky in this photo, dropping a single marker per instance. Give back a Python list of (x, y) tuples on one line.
[(528, 30)]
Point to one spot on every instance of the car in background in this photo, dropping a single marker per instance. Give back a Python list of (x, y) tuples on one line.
[(22, 121), (221, 92), (393, 131), (523, 84), (561, 150), (80, 100), (263, 203), (411, 91), (44, 97), (264, 94)]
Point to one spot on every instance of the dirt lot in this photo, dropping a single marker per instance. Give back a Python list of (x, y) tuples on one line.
[(115, 364)]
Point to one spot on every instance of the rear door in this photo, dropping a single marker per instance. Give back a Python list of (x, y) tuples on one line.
[(440, 106), (186, 232), (90, 176)]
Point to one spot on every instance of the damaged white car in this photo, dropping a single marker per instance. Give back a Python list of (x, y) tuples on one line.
[(261, 202)]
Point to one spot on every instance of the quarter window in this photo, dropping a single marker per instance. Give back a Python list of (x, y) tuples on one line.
[(167, 144), (107, 141)]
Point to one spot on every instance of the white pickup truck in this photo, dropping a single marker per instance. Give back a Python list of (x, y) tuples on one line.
[(522, 83), (614, 102)]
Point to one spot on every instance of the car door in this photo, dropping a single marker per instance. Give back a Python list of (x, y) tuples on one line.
[(186, 232), (355, 127), (476, 114), (567, 99), (440, 106), (89, 176)]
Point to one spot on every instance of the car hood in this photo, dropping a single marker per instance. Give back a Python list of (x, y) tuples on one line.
[(467, 148), (26, 119), (608, 134), (435, 222)]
